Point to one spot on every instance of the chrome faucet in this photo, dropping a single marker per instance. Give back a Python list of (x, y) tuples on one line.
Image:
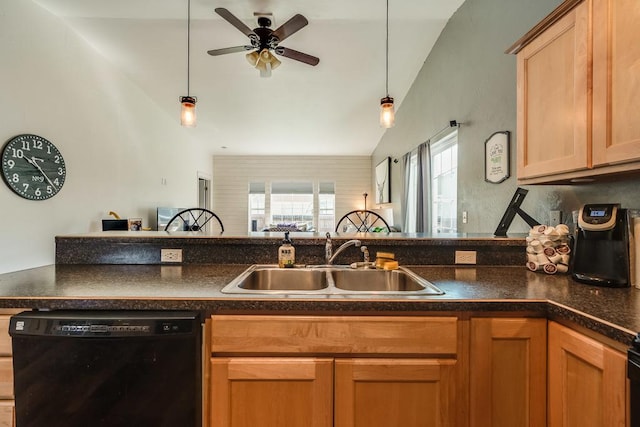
[(328, 249)]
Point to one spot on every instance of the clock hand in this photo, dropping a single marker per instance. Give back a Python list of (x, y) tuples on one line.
[(37, 166)]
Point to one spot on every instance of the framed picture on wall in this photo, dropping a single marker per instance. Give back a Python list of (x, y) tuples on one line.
[(383, 181), (496, 157)]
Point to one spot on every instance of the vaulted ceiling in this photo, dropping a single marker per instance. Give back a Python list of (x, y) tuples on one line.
[(329, 109)]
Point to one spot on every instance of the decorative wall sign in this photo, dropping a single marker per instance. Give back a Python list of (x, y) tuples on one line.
[(383, 181), (496, 157)]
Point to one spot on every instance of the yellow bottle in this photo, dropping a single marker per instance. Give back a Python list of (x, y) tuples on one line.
[(286, 253)]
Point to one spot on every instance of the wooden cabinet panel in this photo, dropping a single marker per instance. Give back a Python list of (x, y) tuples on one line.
[(395, 392), (616, 81), (267, 392), (6, 378), (266, 335), (587, 381), (552, 88), (7, 414), (508, 372), (5, 338)]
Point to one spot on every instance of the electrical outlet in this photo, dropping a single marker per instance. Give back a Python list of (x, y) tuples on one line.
[(465, 257), (555, 218), (170, 255), (464, 217)]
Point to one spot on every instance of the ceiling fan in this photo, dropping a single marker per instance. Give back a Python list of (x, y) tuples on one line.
[(264, 41)]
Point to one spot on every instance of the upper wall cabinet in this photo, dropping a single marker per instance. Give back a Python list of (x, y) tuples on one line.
[(579, 93)]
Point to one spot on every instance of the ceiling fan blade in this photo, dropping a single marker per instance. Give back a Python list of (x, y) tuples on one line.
[(298, 56), (231, 19), (224, 51), (291, 26)]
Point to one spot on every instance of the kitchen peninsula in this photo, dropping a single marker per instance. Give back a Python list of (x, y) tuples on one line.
[(490, 309)]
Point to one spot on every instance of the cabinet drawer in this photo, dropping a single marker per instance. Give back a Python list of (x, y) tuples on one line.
[(334, 335)]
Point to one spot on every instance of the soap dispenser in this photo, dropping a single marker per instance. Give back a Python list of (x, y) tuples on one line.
[(286, 253)]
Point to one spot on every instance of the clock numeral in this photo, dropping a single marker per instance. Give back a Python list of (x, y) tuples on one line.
[(15, 178), (25, 186), (25, 146), (48, 149), (60, 171), (56, 182), (49, 189), (11, 164), (37, 192), (37, 145), (56, 159), (17, 153)]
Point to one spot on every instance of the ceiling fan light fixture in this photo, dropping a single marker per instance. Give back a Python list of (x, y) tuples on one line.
[(188, 111), (387, 112), (253, 58), (263, 61)]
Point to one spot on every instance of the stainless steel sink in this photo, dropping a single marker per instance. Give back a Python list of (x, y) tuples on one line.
[(282, 279), (329, 280), (379, 281)]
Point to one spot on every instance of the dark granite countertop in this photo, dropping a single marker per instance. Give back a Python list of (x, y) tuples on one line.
[(609, 311)]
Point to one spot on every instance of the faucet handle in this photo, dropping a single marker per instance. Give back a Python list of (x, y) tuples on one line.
[(365, 251)]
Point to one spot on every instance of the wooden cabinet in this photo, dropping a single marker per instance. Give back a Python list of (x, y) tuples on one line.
[(616, 81), (508, 366), (552, 85), (269, 391), (578, 93), (7, 416), (587, 381), (395, 392), (367, 370)]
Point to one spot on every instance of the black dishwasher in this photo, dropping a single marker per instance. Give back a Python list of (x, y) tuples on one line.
[(107, 368)]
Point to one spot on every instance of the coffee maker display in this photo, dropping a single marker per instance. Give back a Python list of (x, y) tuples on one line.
[(601, 252)]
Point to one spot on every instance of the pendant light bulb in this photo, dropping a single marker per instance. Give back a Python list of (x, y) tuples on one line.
[(387, 112), (188, 111)]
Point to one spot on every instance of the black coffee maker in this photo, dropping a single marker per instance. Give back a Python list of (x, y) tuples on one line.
[(601, 251)]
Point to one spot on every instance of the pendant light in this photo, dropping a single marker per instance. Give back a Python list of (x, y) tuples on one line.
[(188, 109), (387, 113)]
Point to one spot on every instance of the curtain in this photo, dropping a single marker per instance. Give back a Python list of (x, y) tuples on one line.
[(404, 200), (423, 199), (416, 200)]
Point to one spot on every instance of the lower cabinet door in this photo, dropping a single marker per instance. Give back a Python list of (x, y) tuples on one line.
[(587, 381), (395, 392), (508, 369), (270, 392)]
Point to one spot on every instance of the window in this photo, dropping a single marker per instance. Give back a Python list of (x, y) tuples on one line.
[(444, 184), (412, 194), (326, 206), (257, 206), (305, 205), (429, 200), (292, 202)]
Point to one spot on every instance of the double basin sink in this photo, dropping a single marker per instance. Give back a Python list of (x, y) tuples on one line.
[(329, 280)]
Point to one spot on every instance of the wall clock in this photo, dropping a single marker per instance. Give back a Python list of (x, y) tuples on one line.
[(33, 167)]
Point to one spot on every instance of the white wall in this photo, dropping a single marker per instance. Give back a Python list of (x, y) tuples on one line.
[(232, 175), (118, 145), (467, 77)]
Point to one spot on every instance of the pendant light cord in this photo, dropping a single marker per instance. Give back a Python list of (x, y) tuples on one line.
[(188, 43), (387, 52)]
